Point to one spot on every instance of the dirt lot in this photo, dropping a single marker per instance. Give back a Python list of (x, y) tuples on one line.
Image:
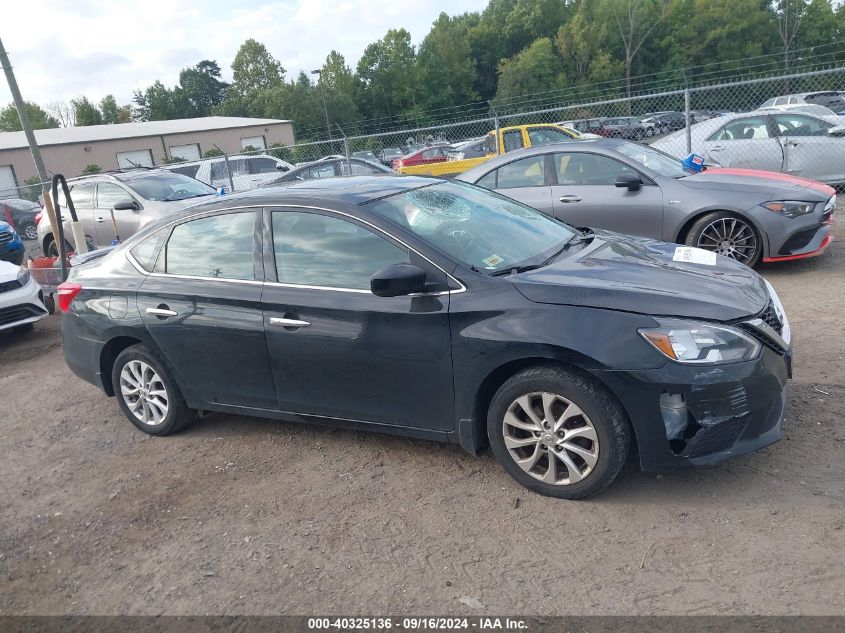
[(244, 516)]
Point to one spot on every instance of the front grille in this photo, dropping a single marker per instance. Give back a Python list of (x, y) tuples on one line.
[(19, 313), (771, 318), (798, 241), (5, 237), (716, 438), (10, 285)]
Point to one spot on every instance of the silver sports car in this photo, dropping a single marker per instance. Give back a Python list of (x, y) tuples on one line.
[(635, 189), (797, 143)]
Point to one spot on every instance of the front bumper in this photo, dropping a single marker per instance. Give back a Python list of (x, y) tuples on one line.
[(798, 238), (731, 409), (21, 306)]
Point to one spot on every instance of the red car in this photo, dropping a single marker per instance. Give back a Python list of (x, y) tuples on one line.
[(423, 156)]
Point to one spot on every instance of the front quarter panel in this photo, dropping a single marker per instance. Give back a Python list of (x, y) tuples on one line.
[(494, 326)]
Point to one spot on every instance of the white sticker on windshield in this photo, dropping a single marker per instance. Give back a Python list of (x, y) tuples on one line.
[(693, 255), (492, 261)]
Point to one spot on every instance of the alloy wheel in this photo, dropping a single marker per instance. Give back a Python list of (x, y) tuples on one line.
[(144, 392), (30, 232), (731, 237), (550, 438)]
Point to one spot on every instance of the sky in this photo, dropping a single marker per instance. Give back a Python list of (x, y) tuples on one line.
[(105, 47)]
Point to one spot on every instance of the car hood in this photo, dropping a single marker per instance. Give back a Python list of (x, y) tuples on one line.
[(632, 274), (771, 184), (8, 271)]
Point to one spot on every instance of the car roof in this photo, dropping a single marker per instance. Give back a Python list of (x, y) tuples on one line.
[(340, 191)]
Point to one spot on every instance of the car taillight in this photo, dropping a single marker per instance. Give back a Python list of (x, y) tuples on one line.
[(66, 293), (38, 218)]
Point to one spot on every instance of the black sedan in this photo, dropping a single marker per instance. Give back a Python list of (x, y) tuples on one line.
[(331, 167), (439, 310)]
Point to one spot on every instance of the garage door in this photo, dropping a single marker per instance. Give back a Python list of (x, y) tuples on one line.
[(7, 180), (138, 158), (253, 141), (185, 152)]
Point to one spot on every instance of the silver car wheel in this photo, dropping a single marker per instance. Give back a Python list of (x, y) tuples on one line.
[(30, 232), (550, 438), (731, 237), (144, 392)]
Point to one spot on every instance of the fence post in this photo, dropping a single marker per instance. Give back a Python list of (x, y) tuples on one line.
[(229, 173), (688, 115), (496, 125), (345, 148)]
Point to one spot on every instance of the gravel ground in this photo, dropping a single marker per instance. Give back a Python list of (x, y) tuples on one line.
[(246, 516)]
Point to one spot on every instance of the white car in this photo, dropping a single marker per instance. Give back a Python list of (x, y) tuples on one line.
[(21, 302), (247, 172), (795, 143)]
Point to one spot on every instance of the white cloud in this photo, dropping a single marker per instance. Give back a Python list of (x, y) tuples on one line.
[(101, 46)]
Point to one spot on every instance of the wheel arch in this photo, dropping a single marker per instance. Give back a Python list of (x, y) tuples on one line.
[(109, 354), (683, 232), (474, 439)]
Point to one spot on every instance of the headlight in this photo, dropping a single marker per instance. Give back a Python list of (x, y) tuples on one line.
[(790, 208), (786, 331), (23, 276), (694, 343)]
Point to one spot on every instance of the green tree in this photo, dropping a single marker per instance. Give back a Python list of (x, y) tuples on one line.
[(445, 65), (201, 88), (254, 69), (819, 26), (156, 103), (340, 88), (533, 70), (38, 118), (85, 112), (633, 21), (387, 75), (91, 168), (109, 110), (581, 44)]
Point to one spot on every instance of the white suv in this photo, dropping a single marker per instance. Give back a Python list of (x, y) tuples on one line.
[(134, 198), (248, 172)]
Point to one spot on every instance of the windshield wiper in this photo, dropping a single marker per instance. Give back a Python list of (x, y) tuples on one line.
[(577, 238)]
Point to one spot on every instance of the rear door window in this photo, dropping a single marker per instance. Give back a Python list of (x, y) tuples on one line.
[(217, 247), (526, 172), (513, 140), (743, 129)]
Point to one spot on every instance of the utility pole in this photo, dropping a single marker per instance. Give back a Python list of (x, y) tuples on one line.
[(319, 73), (24, 117)]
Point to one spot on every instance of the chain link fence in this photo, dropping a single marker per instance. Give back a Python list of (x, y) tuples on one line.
[(786, 123)]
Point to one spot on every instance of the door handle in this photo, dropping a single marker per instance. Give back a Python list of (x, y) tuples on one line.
[(162, 312), (570, 198), (101, 220), (284, 322), (716, 148)]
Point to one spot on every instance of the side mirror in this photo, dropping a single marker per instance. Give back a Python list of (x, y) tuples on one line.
[(837, 130), (631, 181), (122, 205), (398, 280)]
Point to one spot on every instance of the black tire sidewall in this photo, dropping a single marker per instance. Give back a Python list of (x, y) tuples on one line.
[(697, 228), (610, 424), (178, 414)]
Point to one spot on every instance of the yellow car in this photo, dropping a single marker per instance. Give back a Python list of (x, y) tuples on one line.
[(510, 138)]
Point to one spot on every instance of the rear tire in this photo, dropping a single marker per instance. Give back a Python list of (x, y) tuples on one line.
[(587, 438), (147, 393)]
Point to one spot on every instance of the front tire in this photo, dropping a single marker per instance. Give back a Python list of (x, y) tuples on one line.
[(558, 433), (147, 393), (727, 234)]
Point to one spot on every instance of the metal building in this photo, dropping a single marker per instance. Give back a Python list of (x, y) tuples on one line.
[(124, 145)]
